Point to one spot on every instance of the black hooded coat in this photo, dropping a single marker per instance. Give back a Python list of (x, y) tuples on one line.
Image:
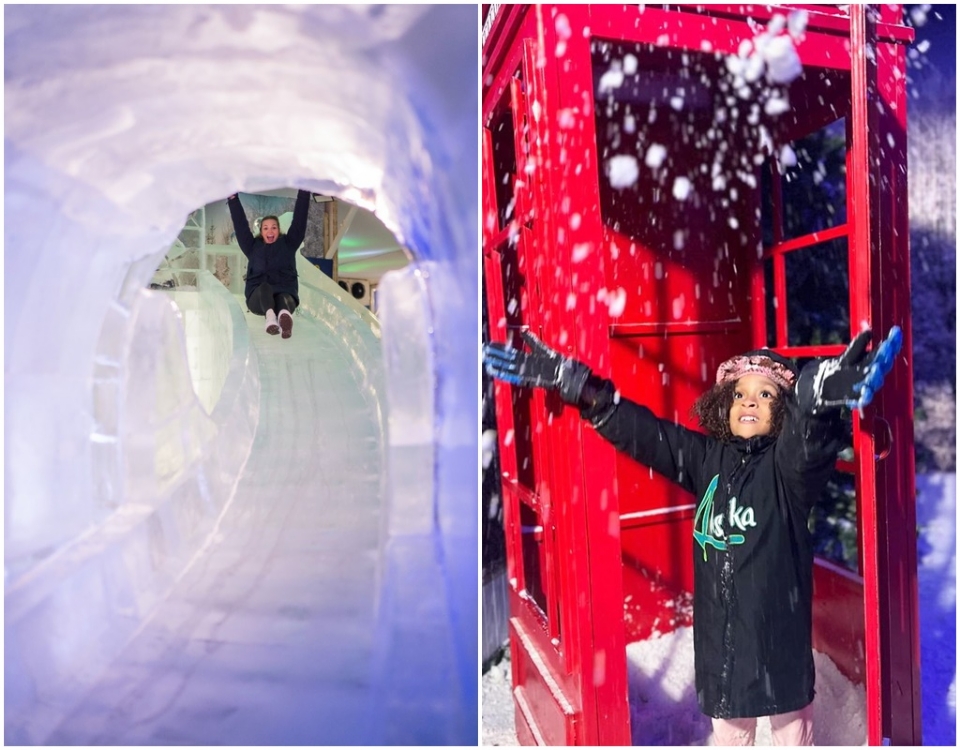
[(753, 553), (275, 263)]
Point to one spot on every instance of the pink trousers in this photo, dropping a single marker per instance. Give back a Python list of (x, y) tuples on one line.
[(793, 728)]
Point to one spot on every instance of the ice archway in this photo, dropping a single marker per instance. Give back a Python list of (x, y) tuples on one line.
[(119, 121)]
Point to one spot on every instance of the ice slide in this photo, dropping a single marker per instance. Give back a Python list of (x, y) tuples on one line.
[(263, 541)]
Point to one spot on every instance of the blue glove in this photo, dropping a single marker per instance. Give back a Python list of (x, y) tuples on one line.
[(853, 378), (541, 367)]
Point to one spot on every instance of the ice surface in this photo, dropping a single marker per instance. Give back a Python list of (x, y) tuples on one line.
[(252, 519)]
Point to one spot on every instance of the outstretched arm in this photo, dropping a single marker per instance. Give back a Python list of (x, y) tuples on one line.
[(852, 379), (240, 226), (298, 227), (812, 433), (668, 448)]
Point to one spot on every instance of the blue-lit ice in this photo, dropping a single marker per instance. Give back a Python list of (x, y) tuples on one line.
[(261, 541)]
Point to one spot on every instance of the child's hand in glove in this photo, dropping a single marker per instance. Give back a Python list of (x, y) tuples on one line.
[(853, 378), (541, 367)]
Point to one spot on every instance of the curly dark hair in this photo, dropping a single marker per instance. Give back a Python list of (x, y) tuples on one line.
[(713, 411)]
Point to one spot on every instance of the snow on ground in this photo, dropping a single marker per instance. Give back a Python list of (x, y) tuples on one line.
[(497, 706), (663, 699)]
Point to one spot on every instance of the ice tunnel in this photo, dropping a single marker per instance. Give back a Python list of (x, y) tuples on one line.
[(280, 546)]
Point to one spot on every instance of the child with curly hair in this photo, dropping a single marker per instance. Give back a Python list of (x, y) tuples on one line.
[(772, 437)]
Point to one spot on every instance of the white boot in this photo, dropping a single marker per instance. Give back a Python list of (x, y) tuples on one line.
[(286, 323), (272, 328)]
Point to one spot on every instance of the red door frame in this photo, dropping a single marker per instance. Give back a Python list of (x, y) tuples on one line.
[(556, 676)]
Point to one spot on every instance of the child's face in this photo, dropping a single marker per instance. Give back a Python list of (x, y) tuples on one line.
[(752, 409)]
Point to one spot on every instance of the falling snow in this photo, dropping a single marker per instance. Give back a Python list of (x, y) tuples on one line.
[(489, 441), (787, 156), (566, 119), (655, 156), (612, 79), (581, 251), (616, 301), (681, 188), (622, 170)]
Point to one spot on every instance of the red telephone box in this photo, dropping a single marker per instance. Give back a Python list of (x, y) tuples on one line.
[(655, 268)]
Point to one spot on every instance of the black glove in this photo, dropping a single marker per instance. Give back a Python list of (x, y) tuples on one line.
[(850, 380), (541, 367)]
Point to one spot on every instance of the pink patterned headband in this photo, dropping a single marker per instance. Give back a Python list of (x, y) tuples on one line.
[(756, 364)]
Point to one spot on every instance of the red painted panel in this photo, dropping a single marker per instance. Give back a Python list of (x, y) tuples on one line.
[(657, 578), (838, 618), (544, 705), (895, 473), (690, 301)]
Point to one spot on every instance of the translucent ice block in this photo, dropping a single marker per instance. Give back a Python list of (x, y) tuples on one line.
[(174, 469)]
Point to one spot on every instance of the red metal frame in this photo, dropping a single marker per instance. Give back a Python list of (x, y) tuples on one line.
[(612, 542)]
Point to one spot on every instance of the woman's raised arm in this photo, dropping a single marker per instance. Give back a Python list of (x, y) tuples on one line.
[(240, 226), (298, 227)]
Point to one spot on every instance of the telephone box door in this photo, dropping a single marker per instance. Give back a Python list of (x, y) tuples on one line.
[(557, 233), (569, 674)]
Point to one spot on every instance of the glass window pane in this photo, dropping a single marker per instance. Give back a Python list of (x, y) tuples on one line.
[(833, 523), (815, 188), (532, 572), (818, 295), (504, 163)]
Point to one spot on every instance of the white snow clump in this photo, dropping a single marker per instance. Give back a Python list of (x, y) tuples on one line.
[(622, 171), (581, 251), (783, 62), (613, 78), (681, 188), (776, 105), (489, 447), (771, 53), (787, 157), (563, 34), (616, 300), (655, 155)]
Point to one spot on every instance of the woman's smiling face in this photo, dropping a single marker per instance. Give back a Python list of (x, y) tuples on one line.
[(269, 230), (752, 410)]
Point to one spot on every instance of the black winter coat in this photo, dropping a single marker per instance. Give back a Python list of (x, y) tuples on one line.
[(275, 263), (753, 554)]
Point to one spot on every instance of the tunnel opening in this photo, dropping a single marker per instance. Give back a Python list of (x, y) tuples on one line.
[(150, 477), (344, 240)]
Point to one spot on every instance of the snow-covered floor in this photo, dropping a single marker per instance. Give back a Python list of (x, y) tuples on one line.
[(663, 701), (268, 637)]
